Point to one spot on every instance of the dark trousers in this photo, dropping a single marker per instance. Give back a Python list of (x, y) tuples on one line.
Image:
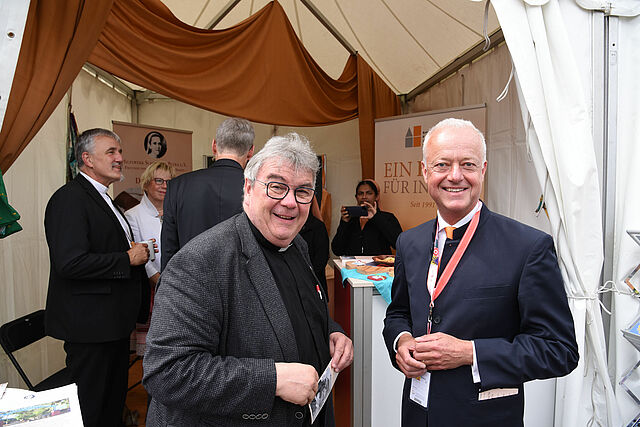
[(100, 370)]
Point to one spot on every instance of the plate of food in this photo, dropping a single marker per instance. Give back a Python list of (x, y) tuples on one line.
[(386, 260)]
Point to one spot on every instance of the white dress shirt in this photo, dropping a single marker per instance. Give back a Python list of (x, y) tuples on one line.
[(442, 237), (103, 192), (146, 224)]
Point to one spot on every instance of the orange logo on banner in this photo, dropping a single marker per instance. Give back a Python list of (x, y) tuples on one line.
[(413, 137), (417, 136)]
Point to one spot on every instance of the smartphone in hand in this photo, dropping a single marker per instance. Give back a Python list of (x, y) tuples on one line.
[(356, 211)]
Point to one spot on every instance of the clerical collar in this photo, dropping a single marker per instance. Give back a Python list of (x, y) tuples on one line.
[(263, 240), (100, 188)]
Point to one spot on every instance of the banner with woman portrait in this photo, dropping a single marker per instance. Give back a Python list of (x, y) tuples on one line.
[(143, 145)]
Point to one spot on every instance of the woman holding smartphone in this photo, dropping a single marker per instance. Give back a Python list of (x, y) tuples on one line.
[(365, 229)]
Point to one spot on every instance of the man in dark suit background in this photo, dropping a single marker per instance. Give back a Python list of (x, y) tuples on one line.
[(198, 200), (241, 330), (96, 283), (477, 310)]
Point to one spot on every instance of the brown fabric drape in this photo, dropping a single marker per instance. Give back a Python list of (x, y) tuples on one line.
[(57, 41), (375, 100), (257, 69)]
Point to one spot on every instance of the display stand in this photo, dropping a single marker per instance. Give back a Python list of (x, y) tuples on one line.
[(632, 334), (370, 393)]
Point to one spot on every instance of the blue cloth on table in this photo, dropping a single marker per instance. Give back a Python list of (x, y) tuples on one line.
[(383, 286)]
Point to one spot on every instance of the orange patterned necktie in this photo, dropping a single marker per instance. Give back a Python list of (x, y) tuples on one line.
[(449, 232)]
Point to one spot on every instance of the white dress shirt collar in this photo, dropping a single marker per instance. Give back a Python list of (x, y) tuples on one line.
[(442, 223), (98, 186)]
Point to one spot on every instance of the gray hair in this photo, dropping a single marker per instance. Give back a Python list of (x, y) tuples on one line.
[(235, 135), (292, 149), (87, 142), (458, 124)]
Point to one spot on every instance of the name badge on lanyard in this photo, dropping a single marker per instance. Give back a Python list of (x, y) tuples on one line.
[(419, 392)]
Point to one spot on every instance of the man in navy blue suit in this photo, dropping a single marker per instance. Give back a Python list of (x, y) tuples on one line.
[(478, 303)]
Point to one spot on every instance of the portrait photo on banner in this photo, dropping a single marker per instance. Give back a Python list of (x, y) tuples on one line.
[(141, 146)]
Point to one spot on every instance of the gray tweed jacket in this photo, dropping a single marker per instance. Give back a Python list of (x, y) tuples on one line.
[(219, 326)]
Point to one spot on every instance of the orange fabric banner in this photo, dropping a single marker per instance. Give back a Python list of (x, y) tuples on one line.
[(257, 69), (57, 41), (375, 100)]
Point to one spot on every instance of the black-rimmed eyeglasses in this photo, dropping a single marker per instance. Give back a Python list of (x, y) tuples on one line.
[(161, 181), (279, 190)]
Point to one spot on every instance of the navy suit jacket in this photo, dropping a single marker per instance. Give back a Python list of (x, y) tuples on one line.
[(198, 200), (506, 295), (94, 294)]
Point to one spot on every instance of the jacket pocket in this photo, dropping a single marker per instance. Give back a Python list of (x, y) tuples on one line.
[(489, 291)]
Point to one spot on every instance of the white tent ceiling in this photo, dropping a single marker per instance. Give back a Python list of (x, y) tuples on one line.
[(405, 41)]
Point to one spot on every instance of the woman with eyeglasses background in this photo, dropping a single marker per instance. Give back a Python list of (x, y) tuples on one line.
[(146, 222)]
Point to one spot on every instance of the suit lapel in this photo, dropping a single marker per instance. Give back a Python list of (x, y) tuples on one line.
[(97, 198), (267, 290)]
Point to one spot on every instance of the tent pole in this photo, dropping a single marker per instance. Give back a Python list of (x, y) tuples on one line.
[(467, 57), (610, 148), (333, 30), (108, 79), (220, 15)]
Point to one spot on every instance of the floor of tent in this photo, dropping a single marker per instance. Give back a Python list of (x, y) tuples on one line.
[(136, 405)]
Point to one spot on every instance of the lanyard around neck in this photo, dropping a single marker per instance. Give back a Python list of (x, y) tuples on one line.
[(451, 265)]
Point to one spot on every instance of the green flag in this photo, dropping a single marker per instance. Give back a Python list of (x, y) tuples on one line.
[(8, 216)]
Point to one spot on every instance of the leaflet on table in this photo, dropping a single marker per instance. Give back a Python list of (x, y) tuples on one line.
[(55, 407), (325, 384)]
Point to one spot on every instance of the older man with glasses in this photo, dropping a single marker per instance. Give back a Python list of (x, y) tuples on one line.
[(241, 330)]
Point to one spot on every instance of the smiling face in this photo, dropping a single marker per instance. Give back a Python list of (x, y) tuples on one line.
[(454, 171), (279, 221), (156, 192), (105, 163)]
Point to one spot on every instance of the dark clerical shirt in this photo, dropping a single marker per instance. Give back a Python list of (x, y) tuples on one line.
[(304, 300)]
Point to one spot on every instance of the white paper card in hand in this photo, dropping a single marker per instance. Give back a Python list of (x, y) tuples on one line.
[(325, 384)]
